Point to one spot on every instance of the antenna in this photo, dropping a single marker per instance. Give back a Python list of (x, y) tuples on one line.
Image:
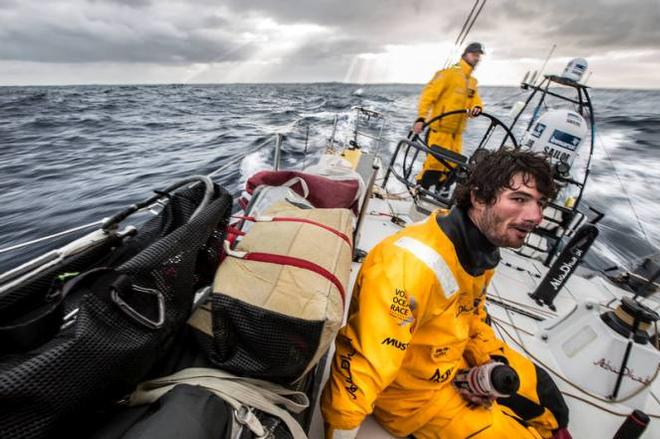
[(532, 79), (554, 46)]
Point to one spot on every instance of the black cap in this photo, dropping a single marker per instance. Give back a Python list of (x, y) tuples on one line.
[(474, 47)]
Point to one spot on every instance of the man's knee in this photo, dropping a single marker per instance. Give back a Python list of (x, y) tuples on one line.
[(479, 423), (550, 405), (550, 396), (538, 400)]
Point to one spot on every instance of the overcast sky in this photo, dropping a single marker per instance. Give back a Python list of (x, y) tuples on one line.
[(359, 41)]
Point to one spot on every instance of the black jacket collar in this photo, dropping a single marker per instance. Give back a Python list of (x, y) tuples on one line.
[(475, 252)]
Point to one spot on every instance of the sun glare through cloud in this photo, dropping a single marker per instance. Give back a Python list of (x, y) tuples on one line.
[(398, 64), (272, 43)]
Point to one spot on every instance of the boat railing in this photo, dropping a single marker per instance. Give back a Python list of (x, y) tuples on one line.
[(279, 138), (363, 118), (402, 165)]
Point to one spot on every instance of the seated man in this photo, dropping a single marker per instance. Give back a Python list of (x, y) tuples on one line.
[(417, 316)]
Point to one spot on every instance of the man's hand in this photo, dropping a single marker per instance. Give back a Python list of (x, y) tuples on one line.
[(474, 112), (475, 400), (419, 125)]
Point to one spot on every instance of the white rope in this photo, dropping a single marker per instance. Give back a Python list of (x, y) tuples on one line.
[(576, 386), (54, 235)]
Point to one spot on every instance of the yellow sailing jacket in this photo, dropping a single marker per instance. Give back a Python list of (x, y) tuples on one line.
[(415, 315), (450, 89)]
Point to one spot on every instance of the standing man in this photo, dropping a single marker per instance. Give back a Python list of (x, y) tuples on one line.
[(417, 316), (450, 89)]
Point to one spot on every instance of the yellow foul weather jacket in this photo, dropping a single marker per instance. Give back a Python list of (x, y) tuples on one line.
[(415, 313), (450, 89)]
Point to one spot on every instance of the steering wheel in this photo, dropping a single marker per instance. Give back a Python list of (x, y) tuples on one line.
[(494, 123), (457, 164)]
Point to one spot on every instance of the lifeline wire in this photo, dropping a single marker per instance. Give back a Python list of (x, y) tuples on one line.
[(54, 235)]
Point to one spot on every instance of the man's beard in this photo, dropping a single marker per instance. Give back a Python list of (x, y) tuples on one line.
[(472, 64), (489, 227)]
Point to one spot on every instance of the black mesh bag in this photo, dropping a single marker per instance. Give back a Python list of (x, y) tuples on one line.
[(130, 300), (278, 349)]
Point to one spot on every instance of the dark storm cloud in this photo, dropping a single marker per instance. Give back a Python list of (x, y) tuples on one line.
[(216, 31), (130, 31), (385, 21), (114, 31), (70, 45), (525, 24), (597, 24)]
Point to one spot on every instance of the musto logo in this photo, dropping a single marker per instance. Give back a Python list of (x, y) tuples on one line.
[(395, 343)]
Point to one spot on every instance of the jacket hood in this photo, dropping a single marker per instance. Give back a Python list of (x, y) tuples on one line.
[(475, 252)]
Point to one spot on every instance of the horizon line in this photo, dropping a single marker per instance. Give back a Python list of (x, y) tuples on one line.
[(110, 84)]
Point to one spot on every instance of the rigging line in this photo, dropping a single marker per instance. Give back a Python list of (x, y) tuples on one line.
[(458, 37), (54, 235), (527, 307), (616, 174), (452, 50), (497, 328), (473, 21), (514, 308), (508, 313), (593, 404), (605, 409), (576, 386), (655, 397), (500, 321)]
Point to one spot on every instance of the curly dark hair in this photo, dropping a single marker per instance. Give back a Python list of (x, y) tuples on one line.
[(493, 171)]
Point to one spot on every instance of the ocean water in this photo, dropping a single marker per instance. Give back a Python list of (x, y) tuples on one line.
[(73, 155)]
